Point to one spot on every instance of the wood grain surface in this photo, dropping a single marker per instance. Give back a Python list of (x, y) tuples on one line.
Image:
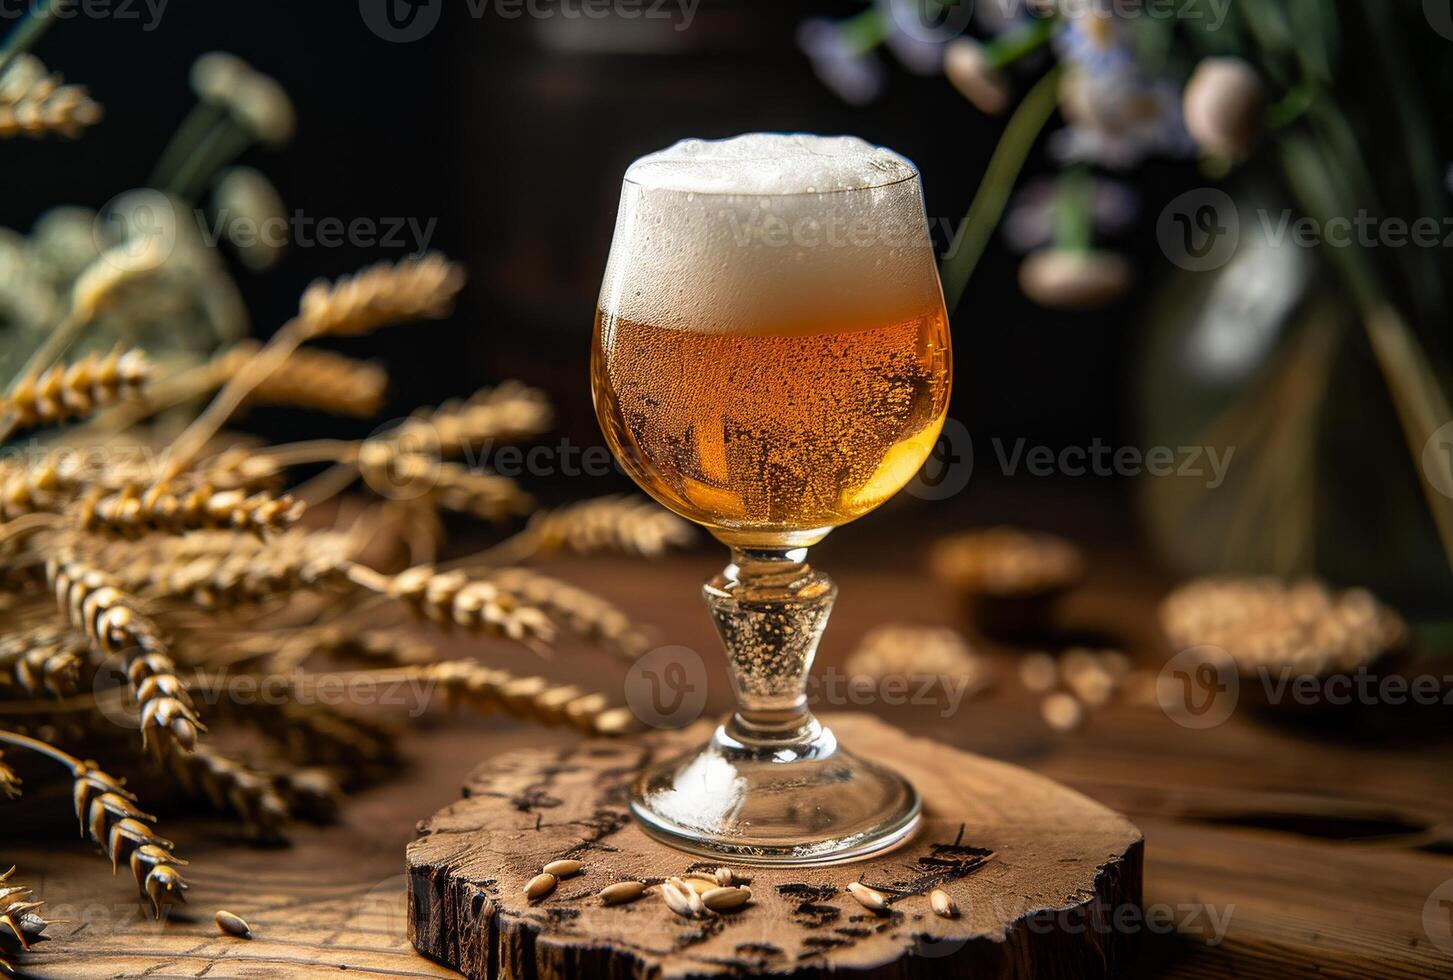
[(1040, 874), (1271, 851)]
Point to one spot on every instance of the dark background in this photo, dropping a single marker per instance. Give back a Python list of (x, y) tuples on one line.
[(514, 134)]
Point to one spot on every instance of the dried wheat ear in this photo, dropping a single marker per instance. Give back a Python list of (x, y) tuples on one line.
[(183, 568)]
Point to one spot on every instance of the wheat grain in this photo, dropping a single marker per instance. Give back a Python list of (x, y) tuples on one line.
[(868, 898), (540, 886), (943, 904), (233, 924), (681, 899), (563, 868), (622, 892), (726, 898)]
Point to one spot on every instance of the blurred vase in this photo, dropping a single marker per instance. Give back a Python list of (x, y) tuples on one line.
[(1262, 364)]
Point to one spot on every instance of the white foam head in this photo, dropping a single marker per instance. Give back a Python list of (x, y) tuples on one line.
[(771, 233)]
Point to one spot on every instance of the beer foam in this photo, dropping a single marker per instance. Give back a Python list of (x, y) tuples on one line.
[(771, 233), (771, 164)]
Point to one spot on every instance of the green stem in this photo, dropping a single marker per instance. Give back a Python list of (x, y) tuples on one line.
[(865, 31), (1291, 107), (1073, 206), (214, 151), (1009, 48), (203, 118), (30, 30), (993, 194)]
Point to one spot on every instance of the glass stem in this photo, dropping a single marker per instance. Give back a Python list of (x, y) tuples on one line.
[(770, 608)]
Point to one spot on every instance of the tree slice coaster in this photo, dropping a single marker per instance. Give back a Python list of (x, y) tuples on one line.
[(1047, 882)]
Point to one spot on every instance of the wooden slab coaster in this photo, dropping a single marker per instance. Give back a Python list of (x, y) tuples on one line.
[(1047, 882)]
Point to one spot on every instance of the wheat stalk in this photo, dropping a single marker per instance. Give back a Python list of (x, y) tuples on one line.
[(107, 812), (45, 660), (134, 510), (232, 788), (420, 288), (67, 110), (10, 781), (62, 393), (582, 613), (452, 486), (312, 379), (628, 525), (21, 925), (505, 413), (116, 628), (453, 599), (485, 689), (222, 569)]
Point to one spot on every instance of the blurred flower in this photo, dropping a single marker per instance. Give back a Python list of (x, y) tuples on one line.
[(214, 75), (1118, 114), (1031, 220), (840, 61), (248, 206), (922, 57), (1223, 105), (1074, 279), (968, 70)]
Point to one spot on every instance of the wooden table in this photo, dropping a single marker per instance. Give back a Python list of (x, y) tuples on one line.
[(1317, 855)]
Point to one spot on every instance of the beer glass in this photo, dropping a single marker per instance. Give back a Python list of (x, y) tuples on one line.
[(771, 360)]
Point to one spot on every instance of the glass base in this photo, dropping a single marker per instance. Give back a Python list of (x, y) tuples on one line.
[(794, 800)]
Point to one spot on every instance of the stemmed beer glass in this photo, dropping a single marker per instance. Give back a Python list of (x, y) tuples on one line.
[(771, 360)]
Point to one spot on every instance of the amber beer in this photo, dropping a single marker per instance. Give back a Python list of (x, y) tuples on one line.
[(771, 354), (761, 430)]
